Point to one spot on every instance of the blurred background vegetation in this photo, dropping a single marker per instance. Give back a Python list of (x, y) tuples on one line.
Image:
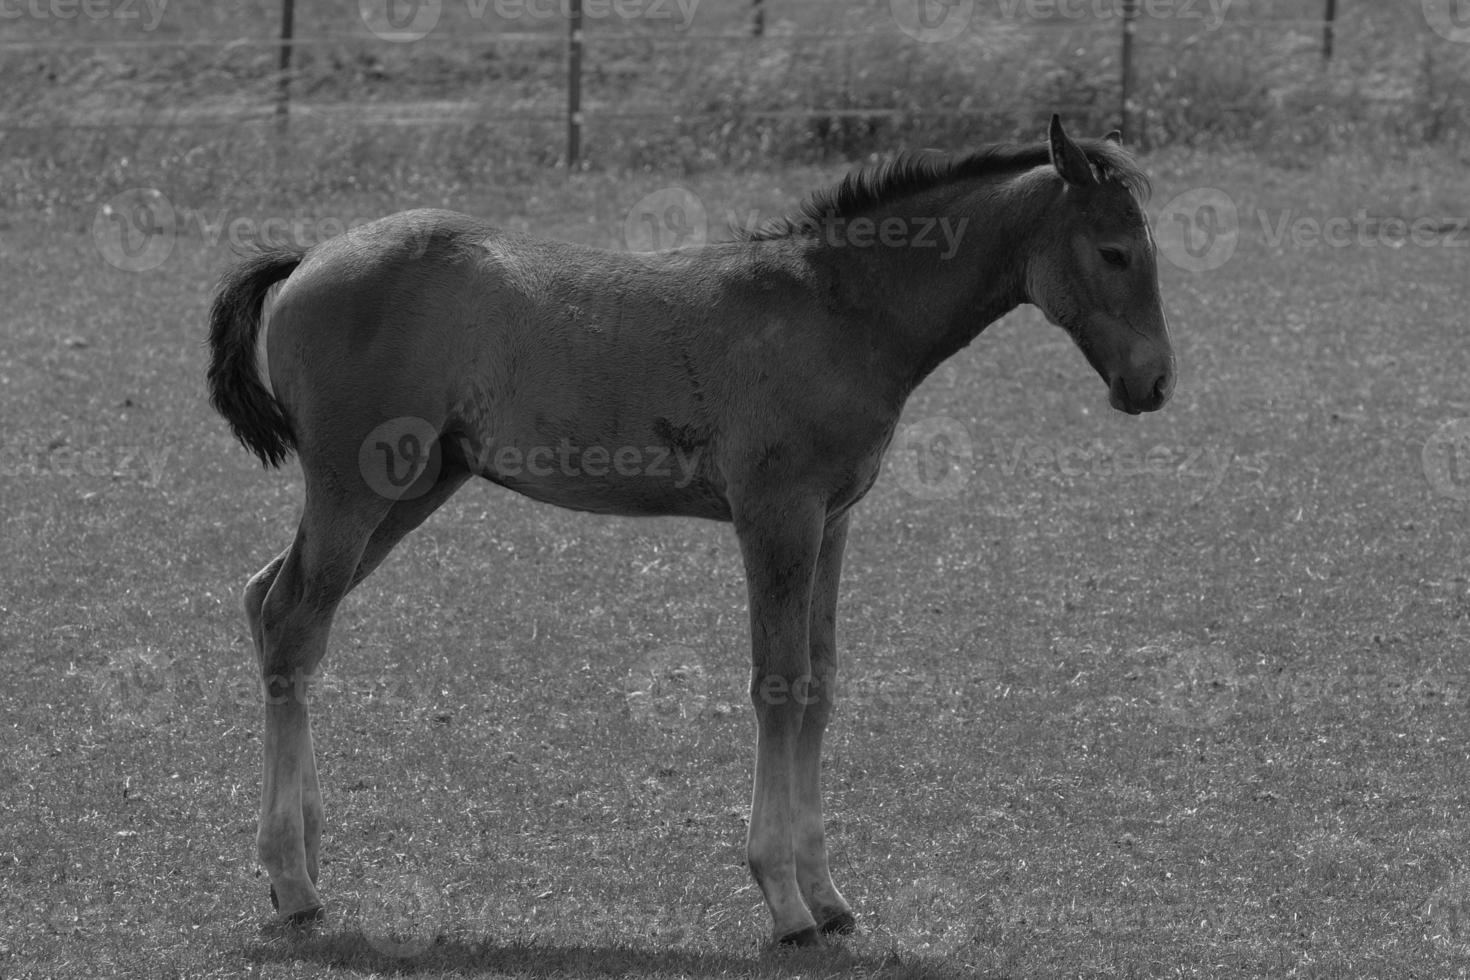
[(184, 96)]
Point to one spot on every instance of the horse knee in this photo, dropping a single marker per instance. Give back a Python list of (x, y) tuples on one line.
[(253, 599), (295, 615), (779, 701), (258, 588)]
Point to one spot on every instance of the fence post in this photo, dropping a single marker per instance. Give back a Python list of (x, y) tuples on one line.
[(283, 80), (574, 82), (1125, 62), (1328, 17)]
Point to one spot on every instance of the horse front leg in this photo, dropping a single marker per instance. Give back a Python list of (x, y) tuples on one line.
[(828, 907), (779, 541)]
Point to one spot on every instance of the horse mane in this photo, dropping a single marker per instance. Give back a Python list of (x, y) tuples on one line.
[(912, 172)]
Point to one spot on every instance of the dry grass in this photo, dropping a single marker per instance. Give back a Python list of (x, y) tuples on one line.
[(1174, 696), (1200, 717)]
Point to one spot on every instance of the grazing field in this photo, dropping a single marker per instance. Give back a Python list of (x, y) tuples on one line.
[(1177, 695)]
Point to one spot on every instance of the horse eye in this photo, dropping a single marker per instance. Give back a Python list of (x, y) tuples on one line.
[(1115, 257)]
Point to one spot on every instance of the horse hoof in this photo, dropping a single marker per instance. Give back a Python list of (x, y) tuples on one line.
[(841, 924), (801, 937), (298, 918), (306, 916)]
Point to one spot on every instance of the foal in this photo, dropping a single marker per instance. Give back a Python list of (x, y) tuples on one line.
[(406, 356)]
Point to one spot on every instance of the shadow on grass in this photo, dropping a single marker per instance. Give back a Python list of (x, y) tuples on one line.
[(355, 951)]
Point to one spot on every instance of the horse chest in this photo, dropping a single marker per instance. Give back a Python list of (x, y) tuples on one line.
[(859, 472)]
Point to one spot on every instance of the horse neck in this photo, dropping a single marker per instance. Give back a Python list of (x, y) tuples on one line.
[(962, 268)]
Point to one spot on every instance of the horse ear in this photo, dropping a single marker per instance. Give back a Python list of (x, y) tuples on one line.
[(1068, 157), (1114, 136)]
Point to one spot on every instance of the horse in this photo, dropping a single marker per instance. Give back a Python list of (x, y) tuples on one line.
[(407, 355)]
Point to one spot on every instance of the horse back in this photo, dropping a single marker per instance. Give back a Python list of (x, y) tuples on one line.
[(593, 379)]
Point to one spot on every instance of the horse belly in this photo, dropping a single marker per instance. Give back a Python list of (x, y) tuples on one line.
[(578, 456), (635, 481)]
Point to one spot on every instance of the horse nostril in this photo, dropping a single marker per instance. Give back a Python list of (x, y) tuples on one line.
[(1163, 388)]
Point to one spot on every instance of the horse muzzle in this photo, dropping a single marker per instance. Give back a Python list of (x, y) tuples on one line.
[(1142, 391)]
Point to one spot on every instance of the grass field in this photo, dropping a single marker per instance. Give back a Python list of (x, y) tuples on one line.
[(1180, 695)]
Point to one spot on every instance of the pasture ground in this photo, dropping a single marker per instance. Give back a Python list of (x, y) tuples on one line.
[(1179, 695)]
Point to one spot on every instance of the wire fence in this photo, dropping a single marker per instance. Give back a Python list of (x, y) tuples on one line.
[(585, 70)]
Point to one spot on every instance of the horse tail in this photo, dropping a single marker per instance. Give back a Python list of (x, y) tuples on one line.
[(236, 389)]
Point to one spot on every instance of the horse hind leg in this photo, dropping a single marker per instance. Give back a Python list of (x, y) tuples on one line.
[(254, 600), (407, 514), (256, 591), (311, 795), (402, 517), (292, 625)]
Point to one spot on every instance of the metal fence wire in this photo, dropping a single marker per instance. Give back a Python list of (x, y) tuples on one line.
[(573, 64)]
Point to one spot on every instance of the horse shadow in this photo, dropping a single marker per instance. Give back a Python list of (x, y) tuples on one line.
[(519, 958)]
